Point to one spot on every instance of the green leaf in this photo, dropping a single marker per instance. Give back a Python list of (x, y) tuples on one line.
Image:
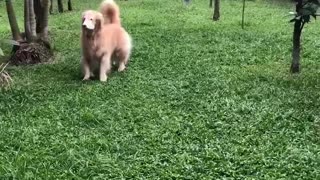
[(293, 20), (306, 18), (309, 9)]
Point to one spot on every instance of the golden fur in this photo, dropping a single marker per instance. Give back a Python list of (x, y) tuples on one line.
[(104, 40)]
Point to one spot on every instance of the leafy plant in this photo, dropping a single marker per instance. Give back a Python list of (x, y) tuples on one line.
[(1, 52), (5, 78), (307, 10)]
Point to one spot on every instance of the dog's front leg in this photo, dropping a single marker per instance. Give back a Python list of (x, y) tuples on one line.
[(85, 68), (105, 66)]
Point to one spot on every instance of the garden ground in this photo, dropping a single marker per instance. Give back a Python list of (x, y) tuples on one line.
[(200, 99)]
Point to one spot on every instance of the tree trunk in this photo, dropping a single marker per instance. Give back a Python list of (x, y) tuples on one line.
[(51, 4), (210, 3), (44, 20), (295, 65), (13, 21), (27, 28), (32, 19), (216, 11), (243, 8), (69, 5), (60, 6), (29, 21), (37, 48), (38, 13), (298, 26)]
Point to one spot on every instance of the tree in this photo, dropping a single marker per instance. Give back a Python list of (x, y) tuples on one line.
[(69, 5), (35, 46), (216, 11), (29, 21), (51, 5), (210, 3), (42, 15), (243, 8), (36, 16), (304, 11), (13, 21), (60, 6)]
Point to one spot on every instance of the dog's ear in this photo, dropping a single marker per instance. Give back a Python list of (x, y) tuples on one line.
[(83, 17), (99, 22), (82, 20)]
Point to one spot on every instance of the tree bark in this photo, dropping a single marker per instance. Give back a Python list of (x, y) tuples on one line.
[(60, 6), (69, 5), (32, 19), (216, 11), (298, 26), (13, 21), (210, 3)]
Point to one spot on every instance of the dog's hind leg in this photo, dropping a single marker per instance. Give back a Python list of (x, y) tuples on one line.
[(124, 52), (105, 66), (123, 60)]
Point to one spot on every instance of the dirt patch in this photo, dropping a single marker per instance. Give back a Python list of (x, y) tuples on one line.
[(31, 53)]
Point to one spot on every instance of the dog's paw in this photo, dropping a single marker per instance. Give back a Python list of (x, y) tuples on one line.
[(85, 78), (103, 79), (91, 74), (121, 68)]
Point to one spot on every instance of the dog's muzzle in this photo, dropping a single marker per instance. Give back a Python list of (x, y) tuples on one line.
[(88, 24)]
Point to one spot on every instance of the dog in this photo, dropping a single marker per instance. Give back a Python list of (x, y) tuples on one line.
[(104, 41)]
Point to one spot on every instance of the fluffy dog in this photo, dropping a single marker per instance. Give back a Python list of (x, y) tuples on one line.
[(104, 40)]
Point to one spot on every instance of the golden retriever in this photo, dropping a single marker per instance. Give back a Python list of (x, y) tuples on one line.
[(104, 40)]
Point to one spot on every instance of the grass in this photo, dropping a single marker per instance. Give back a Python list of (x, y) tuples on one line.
[(199, 100)]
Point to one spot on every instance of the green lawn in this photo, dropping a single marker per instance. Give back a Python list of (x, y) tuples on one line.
[(199, 100)]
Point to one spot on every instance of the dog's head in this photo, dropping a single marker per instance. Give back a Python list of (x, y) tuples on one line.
[(91, 21)]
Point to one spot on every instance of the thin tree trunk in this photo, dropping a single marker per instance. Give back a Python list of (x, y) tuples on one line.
[(60, 6), (32, 19), (216, 11), (44, 20), (51, 5), (298, 26), (13, 21), (295, 65), (69, 5), (210, 3), (38, 13), (243, 8), (27, 21)]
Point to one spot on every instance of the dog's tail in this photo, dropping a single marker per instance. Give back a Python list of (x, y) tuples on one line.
[(110, 11)]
